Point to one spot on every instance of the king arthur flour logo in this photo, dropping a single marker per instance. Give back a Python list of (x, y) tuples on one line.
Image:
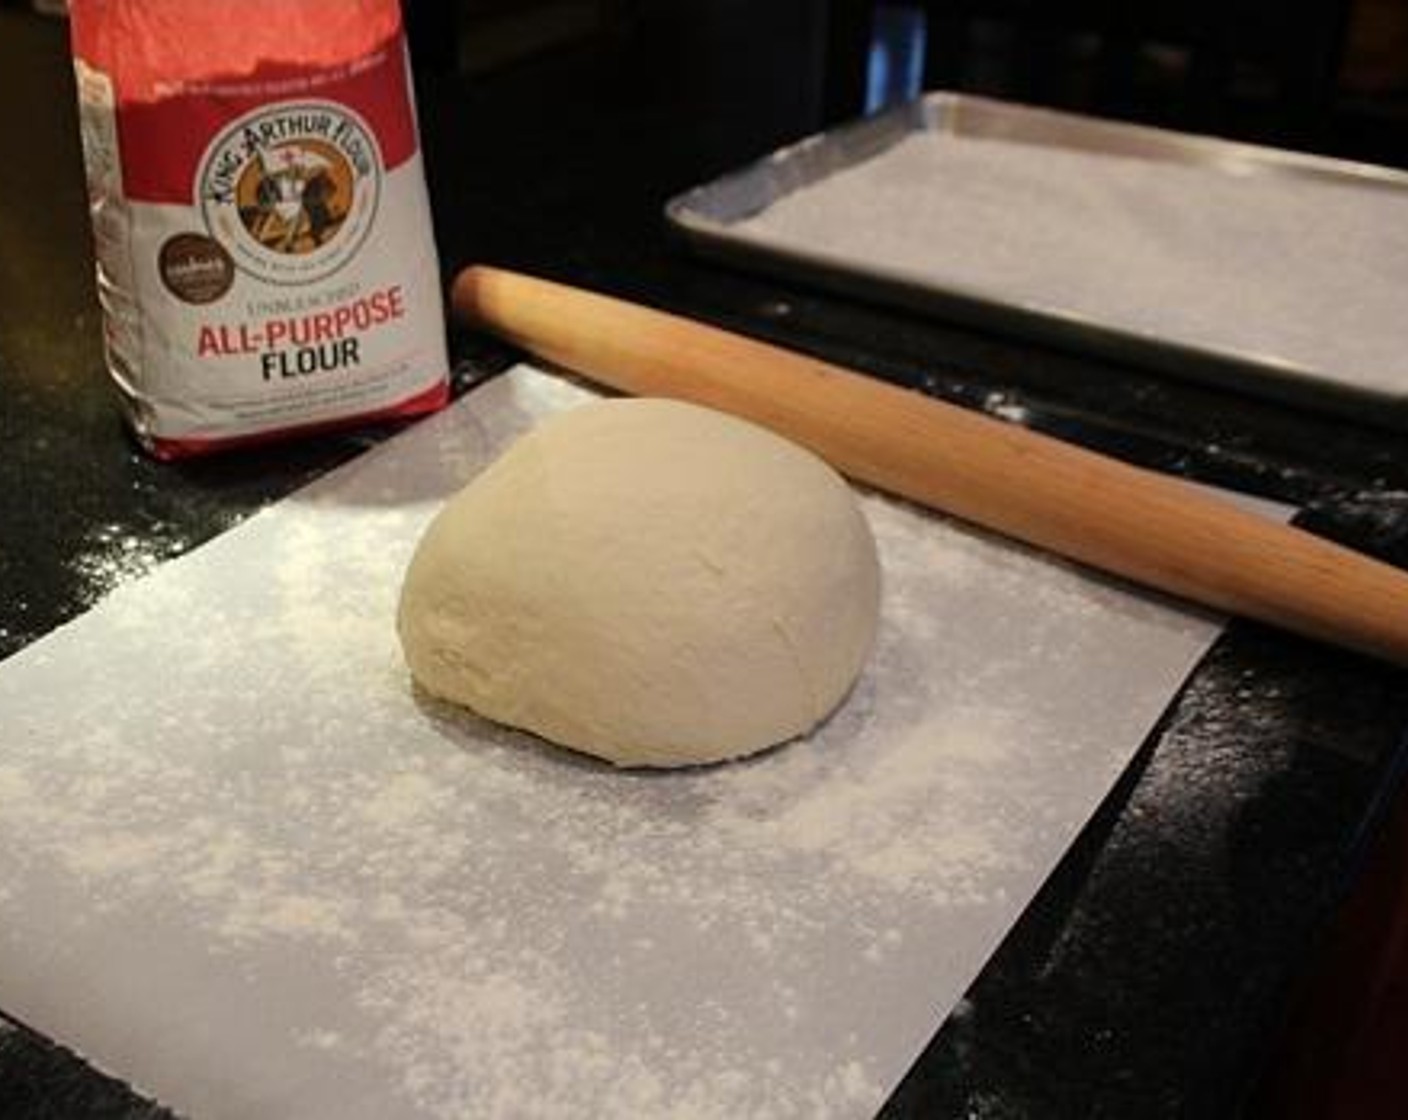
[(291, 189)]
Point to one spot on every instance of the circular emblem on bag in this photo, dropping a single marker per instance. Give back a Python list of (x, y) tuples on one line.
[(290, 190), (195, 268)]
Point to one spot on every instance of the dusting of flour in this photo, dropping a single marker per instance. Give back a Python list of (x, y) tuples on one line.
[(295, 888), (1295, 272)]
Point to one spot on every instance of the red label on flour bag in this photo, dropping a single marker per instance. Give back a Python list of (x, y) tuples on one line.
[(265, 255)]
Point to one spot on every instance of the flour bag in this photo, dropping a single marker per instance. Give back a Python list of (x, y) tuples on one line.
[(266, 263)]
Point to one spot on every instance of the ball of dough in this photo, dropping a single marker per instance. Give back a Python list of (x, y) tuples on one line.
[(648, 581)]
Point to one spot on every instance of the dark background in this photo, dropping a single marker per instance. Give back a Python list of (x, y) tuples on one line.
[(1326, 75)]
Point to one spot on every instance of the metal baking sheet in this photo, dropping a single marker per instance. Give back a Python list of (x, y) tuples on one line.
[(1276, 272), (244, 866)]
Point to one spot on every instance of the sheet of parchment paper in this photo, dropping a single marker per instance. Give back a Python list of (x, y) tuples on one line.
[(245, 868), (1293, 273)]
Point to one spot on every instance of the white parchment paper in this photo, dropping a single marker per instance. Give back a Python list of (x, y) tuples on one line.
[(1302, 276), (244, 867)]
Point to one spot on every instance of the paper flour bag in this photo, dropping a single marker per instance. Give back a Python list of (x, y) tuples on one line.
[(266, 263)]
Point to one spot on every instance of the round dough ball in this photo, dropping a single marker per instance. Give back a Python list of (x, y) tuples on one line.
[(648, 581)]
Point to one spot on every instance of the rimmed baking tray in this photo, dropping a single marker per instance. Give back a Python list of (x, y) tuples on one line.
[(1344, 359)]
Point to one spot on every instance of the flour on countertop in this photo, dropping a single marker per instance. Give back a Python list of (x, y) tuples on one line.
[(372, 904), (1290, 270), (113, 555)]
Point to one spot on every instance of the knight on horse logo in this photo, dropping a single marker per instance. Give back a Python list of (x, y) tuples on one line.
[(290, 191), (294, 197)]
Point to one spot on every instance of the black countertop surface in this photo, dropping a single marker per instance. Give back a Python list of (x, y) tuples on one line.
[(1151, 973)]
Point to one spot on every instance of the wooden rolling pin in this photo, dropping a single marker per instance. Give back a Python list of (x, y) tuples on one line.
[(1147, 527)]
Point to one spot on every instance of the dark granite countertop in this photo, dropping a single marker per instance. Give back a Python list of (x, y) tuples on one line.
[(1151, 973)]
